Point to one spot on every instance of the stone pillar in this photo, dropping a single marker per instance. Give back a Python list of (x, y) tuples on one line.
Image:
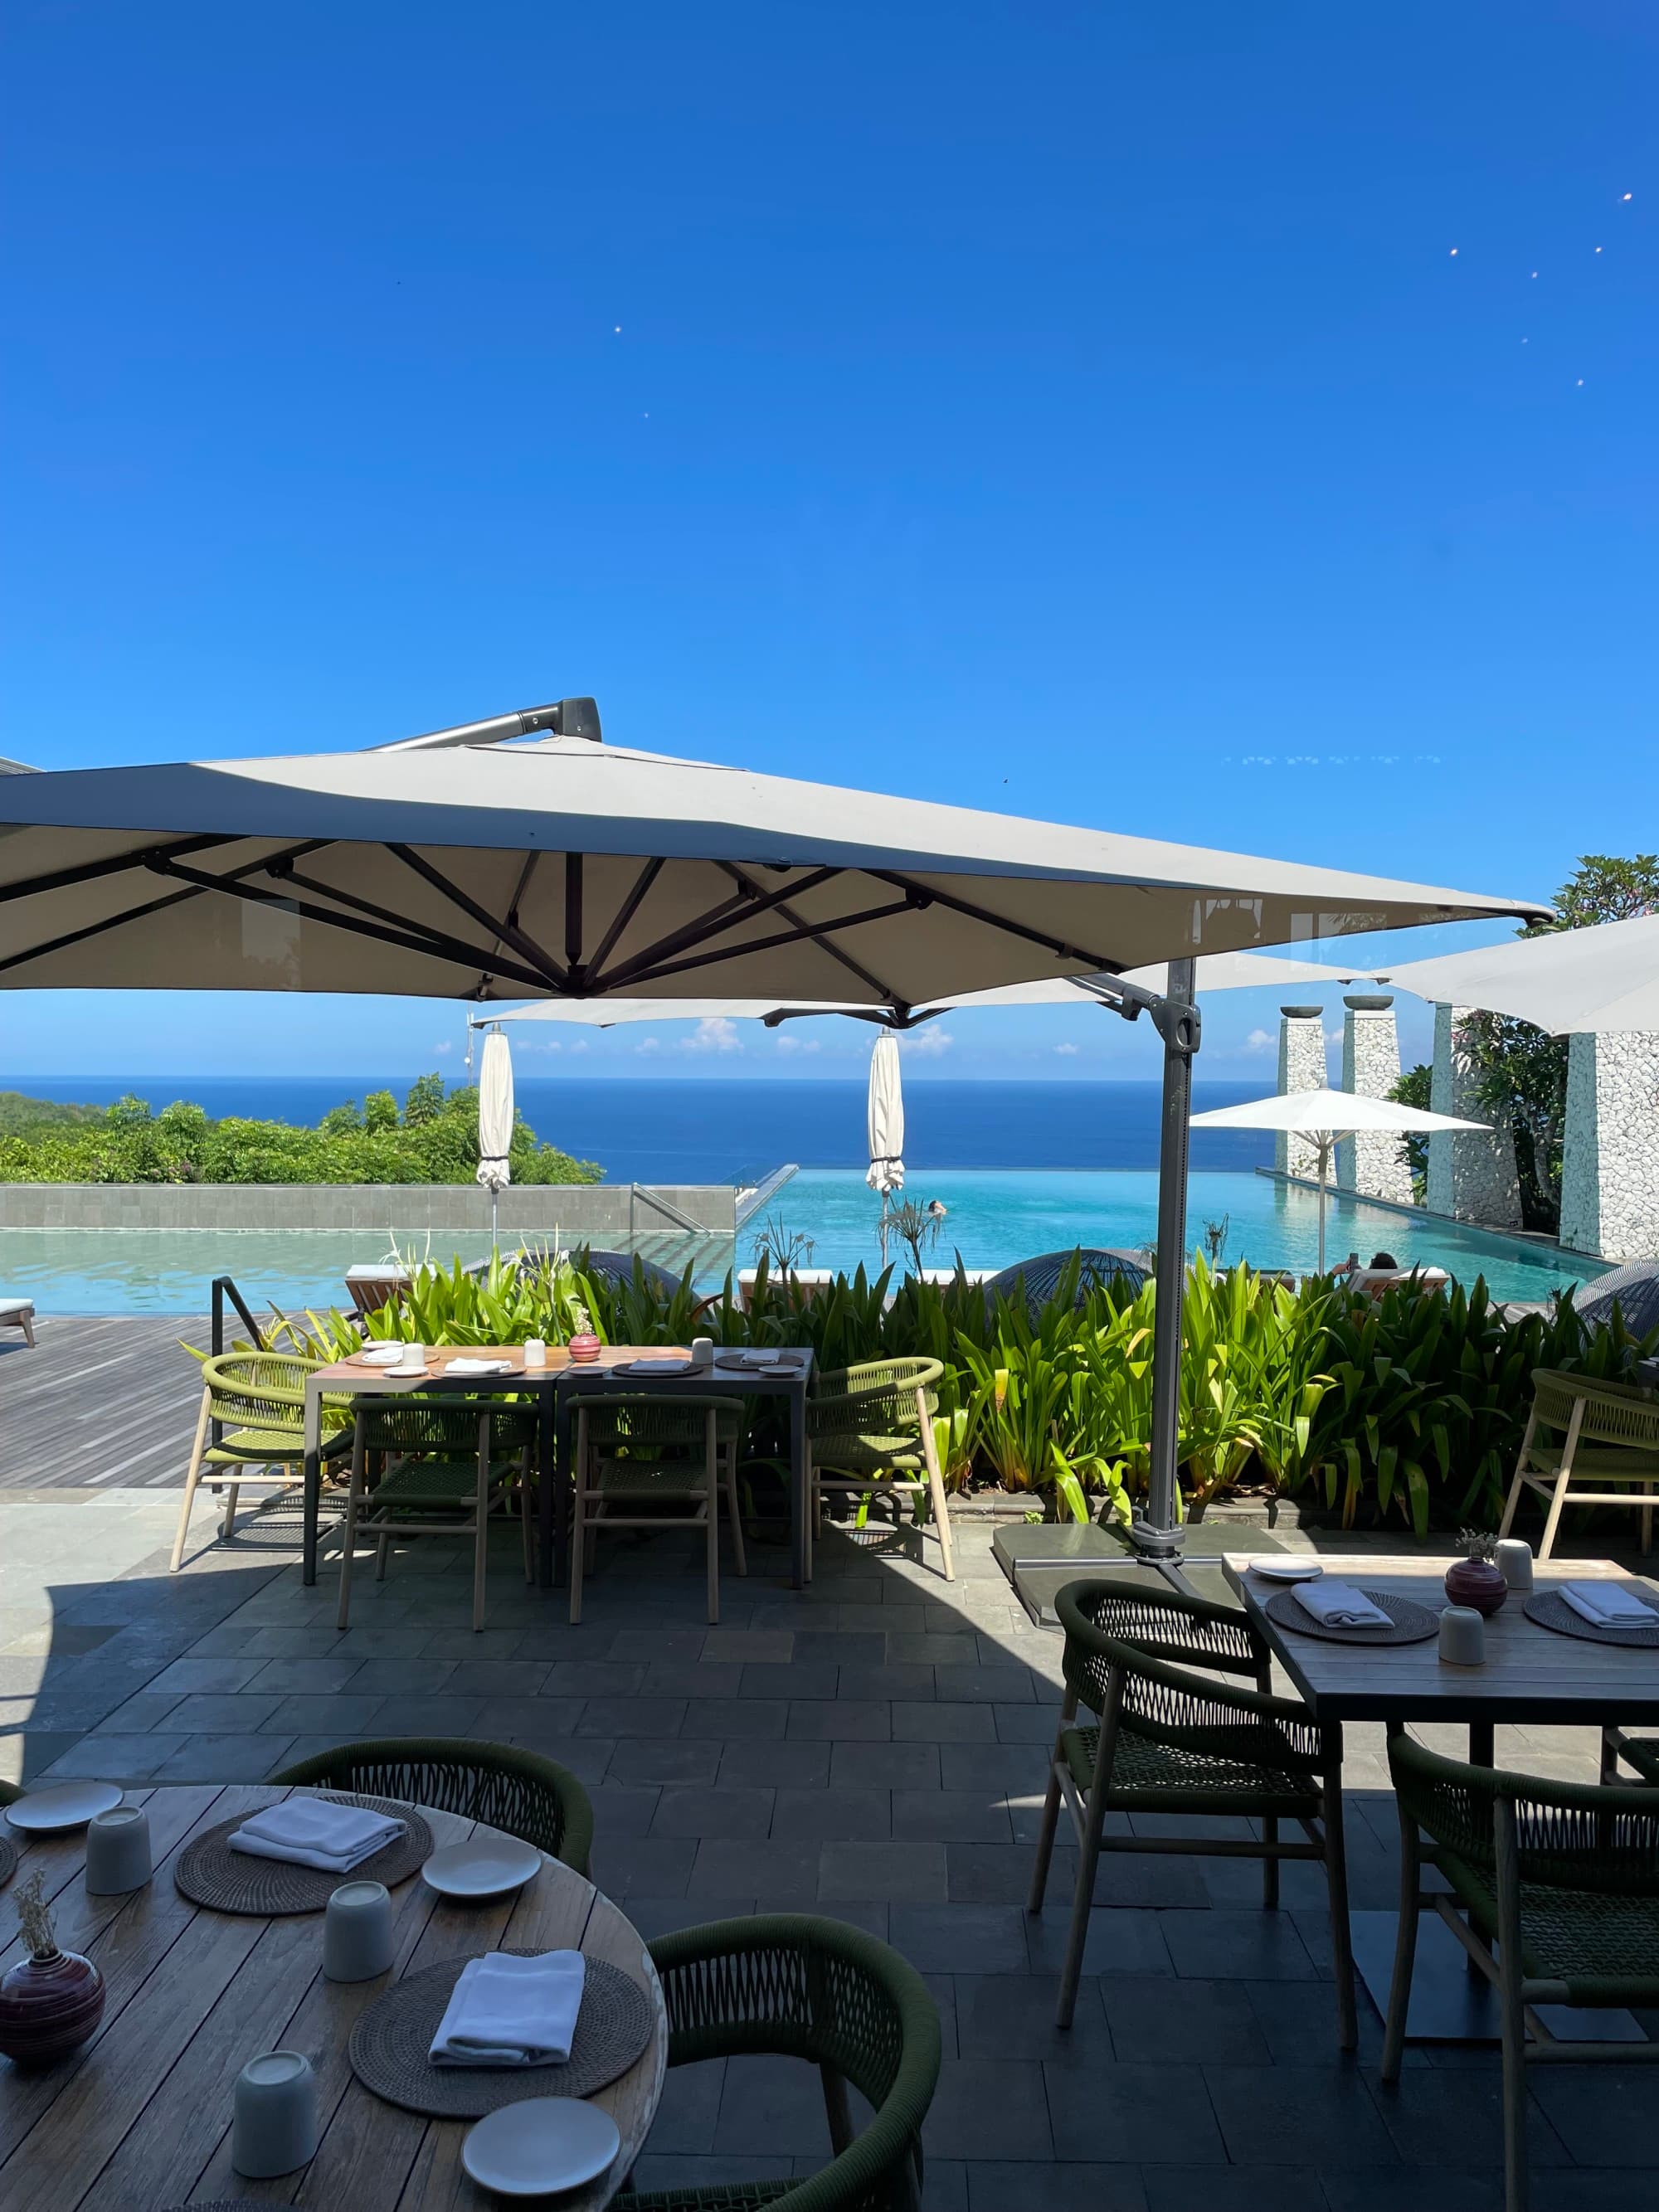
[(1373, 1165), (1301, 1067), (1472, 1172), (1610, 1147)]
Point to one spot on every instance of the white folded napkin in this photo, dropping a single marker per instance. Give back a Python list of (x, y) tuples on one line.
[(1339, 1605), (479, 1367), (1607, 1605), (382, 1355), (511, 2012), (658, 1367), (317, 1831)]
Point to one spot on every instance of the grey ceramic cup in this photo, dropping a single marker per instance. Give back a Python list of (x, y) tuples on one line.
[(357, 1939), (1462, 1636), (118, 1850), (1514, 1562), (274, 2129)]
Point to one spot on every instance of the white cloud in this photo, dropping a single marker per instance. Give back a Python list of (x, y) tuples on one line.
[(444, 1044), (793, 1044), (580, 1045), (714, 1033), (1067, 1051), (1261, 1041), (549, 1044), (649, 1044), (927, 1044)]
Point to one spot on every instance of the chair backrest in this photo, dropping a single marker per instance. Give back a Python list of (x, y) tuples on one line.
[(801, 1987), (885, 1390), (1190, 1630), (516, 1790), (258, 1390), (1584, 1836), (1614, 1412), (652, 1419), (441, 1426)]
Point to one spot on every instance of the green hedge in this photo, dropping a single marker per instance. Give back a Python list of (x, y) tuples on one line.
[(432, 1138), (1408, 1411)]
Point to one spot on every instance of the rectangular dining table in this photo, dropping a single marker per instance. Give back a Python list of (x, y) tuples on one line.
[(554, 1385), (1531, 1676)]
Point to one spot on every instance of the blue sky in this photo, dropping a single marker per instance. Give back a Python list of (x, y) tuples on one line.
[(1076, 410)]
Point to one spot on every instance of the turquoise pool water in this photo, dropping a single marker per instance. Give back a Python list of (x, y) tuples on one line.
[(995, 1217)]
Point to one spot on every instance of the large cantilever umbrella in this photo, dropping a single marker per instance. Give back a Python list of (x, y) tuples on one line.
[(1566, 981), (464, 864), (1323, 1116)]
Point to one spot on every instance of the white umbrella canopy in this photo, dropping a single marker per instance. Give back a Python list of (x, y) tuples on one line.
[(1570, 981), (565, 868), (886, 1119), (1323, 1116), (495, 1119)]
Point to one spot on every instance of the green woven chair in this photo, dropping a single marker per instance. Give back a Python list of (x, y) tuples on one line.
[(9, 1793), (654, 1460), (258, 1399), (1166, 1740), (804, 1987), (1605, 1434), (870, 1427), (517, 1791), (1639, 1753), (1562, 1878), (446, 1464)]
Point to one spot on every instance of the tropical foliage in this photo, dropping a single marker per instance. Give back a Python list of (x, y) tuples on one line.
[(1408, 1411), (432, 1138)]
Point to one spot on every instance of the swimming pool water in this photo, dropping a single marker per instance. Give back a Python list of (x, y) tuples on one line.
[(993, 1218)]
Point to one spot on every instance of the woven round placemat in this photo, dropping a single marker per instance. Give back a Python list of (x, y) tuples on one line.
[(1411, 1623), (225, 2204), (1551, 1610), (209, 1873), (391, 2041), (8, 1860)]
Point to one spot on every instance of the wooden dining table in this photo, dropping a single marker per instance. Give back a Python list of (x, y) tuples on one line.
[(554, 1385), (140, 2116)]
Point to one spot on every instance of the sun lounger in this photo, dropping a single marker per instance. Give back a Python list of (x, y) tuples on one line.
[(17, 1313)]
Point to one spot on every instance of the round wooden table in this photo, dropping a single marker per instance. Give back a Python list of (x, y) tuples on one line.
[(139, 2117)]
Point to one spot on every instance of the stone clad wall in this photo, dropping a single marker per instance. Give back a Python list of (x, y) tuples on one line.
[(1472, 1173), (1610, 1148), (1301, 1067), (1374, 1165)]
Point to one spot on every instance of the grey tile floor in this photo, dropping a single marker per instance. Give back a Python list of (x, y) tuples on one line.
[(872, 1748)]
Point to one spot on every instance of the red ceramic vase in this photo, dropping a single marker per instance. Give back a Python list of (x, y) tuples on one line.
[(1476, 1582), (584, 1350), (49, 2007)]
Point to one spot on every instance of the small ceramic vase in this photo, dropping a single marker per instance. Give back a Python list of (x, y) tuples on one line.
[(48, 2007), (1476, 1583), (585, 1349)]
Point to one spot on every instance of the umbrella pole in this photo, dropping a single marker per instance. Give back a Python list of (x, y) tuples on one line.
[(1159, 1535), (1324, 1163)]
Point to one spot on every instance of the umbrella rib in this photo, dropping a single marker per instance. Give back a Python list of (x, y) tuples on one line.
[(90, 871), (508, 932), (835, 951), (796, 936), (436, 946), (745, 905), (438, 942), (625, 914), (96, 929), (1054, 944)]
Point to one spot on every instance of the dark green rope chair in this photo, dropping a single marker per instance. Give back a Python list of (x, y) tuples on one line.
[(257, 1400), (870, 1427), (1168, 1740), (1562, 1878), (9, 1793), (518, 1791), (436, 1466), (1639, 1753), (798, 1987)]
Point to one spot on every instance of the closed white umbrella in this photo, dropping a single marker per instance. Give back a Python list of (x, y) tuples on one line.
[(1567, 982), (886, 1119), (1323, 1116), (495, 1120)]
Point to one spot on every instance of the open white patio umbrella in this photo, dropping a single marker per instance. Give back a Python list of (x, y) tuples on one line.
[(494, 1121), (1323, 1116), (1568, 982), (465, 865)]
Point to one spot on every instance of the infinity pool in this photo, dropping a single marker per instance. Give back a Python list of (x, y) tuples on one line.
[(993, 1218)]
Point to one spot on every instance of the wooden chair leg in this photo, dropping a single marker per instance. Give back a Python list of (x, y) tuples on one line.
[(524, 1518), (732, 1512), (193, 1478), (1559, 1497), (229, 1529), (711, 1461), (481, 1526), (935, 1489), (1512, 2011), (1517, 1485), (579, 1520), (353, 1499), (1083, 1897), (1336, 1880), (1405, 1951), (1045, 1850), (1270, 1866)]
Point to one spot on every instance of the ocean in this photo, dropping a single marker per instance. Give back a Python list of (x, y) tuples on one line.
[(710, 1130)]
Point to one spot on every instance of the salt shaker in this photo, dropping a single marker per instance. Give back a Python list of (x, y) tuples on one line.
[(1462, 1636), (274, 2129), (118, 1850), (357, 1938), (1514, 1562)]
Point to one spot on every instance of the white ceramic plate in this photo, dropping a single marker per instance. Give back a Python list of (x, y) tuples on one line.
[(539, 2146), (66, 1805), (1287, 1571), (487, 1867)]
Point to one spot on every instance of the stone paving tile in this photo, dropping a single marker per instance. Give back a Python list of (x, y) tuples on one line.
[(855, 1766), (712, 1812), (939, 1939), (240, 1715), (1120, 1940), (1168, 2020), (1016, 2186), (835, 1815), (427, 1716), (1127, 2106), (837, 1720), (952, 1816), (766, 1764), (112, 1757), (295, 1677), (913, 1875), (1240, 2189), (636, 1717), (943, 1723), (798, 1679), (148, 1709), (622, 1810), (999, 2013), (225, 1759), (304, 1716), (989, 2108), (738, 1869), (665, 1760), (402, 1678), (733, 1718), (1299, 2115)]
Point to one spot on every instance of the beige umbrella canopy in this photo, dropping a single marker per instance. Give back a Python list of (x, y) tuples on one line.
[(1568, 983)]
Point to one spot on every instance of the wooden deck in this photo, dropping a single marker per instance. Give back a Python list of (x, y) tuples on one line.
[(100, 1402)]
